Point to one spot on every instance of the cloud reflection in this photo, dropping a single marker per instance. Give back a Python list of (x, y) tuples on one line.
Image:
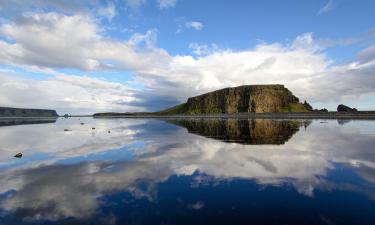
[(48, 189)]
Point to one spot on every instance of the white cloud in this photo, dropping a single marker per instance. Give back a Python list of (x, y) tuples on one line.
[(135, 4), (66, 94), (327, 7), (203, 49), (194, 25), (163, 4), (108, 12), (78, 42), (69, 42)]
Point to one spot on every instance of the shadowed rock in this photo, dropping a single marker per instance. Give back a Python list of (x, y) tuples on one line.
[(253, 131), (20, 112), (12, 122), (344, 108), (247, 98)]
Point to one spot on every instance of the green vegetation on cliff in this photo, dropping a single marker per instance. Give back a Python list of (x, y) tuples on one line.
[(247, 98), (241, 99)]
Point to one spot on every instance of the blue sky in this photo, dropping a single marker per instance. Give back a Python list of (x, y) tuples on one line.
[(136, 55)]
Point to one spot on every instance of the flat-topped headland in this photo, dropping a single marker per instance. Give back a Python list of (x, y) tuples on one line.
[(247, 101)]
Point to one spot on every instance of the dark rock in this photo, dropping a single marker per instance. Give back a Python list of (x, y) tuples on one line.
[(93, 128), (20, 112), (247, 98), (82, 123), (18, 155), (67, 130), (344, 108), (252, 131), (321, 110)]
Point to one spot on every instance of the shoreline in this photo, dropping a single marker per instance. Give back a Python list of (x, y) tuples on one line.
[(303, 115), (307, 115)]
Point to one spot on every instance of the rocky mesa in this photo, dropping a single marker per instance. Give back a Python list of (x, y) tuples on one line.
[(246, 98)]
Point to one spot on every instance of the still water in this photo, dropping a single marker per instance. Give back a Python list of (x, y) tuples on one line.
[(146, 171)]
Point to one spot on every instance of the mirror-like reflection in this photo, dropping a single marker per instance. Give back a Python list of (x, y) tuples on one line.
[(12, 122), (252, 131), (154, 172)]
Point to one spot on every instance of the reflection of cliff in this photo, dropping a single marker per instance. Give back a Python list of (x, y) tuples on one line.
[(252, 131), (12, 122)]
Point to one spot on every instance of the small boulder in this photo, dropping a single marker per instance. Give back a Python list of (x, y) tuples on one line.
[(93, 128), (344, 108), (82, 123), (18, 155), (67, 130)]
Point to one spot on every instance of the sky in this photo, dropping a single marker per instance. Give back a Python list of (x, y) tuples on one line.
[(82, 57)]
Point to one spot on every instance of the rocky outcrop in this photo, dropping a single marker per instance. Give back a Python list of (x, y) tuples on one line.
[(344, 108), (247, 98), (252, 131), (19, 112)]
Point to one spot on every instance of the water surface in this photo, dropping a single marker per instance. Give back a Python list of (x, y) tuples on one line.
[(146, 171)]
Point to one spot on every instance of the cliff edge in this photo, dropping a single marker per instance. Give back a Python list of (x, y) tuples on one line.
[(247, 98)]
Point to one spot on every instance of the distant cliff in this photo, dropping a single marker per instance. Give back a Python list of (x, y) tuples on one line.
[(20, 112), (247, 98)]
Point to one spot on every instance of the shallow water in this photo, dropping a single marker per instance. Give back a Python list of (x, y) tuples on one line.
[(146, 171)]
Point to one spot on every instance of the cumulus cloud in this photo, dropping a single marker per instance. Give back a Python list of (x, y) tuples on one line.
[(66, 94), (69, 42), (164, 4), (77, 41)]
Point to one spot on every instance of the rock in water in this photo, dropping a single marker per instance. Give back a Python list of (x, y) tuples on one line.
[(18, 155), (247, 98), (344, 108)]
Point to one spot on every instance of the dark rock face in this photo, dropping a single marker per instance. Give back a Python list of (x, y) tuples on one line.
[(344, 108), (252, 131), (19, 112), (248, 98), (23, 121)]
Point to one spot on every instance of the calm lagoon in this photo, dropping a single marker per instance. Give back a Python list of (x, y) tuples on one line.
[(196, 171)]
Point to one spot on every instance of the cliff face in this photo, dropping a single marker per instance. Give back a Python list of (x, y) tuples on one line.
[(253, 131), (248, 98), (18, 112)]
